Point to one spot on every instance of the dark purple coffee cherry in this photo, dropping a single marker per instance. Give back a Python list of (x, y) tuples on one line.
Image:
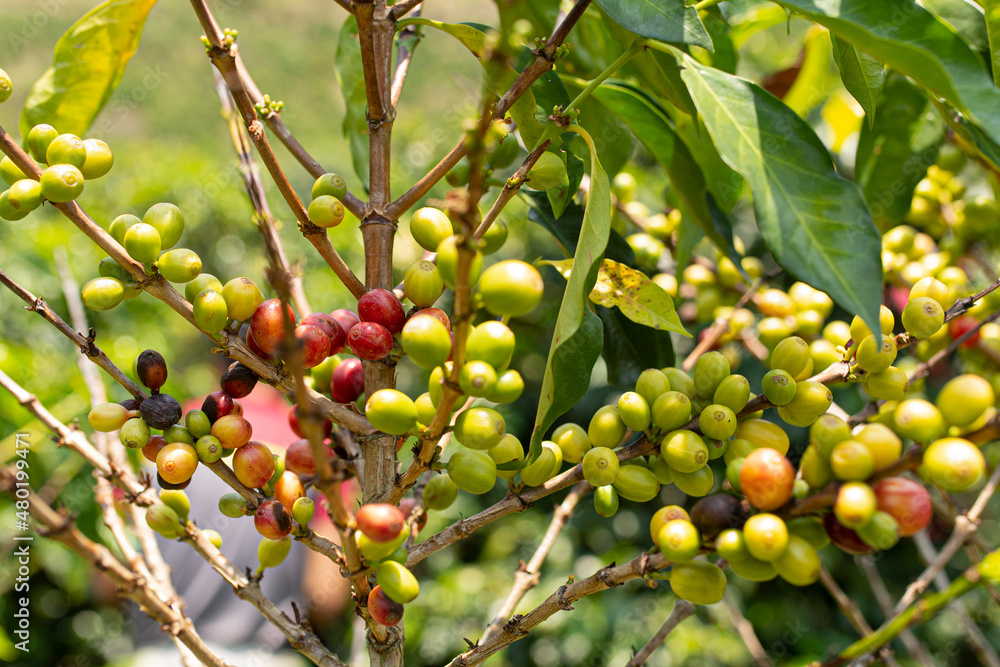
[(238, 380), (151, 369), (160, 411)]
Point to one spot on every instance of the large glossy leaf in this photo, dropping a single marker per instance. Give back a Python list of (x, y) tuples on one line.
[(566, 229), (87, 65), (815, 223), (577, 339), (725, 56), (664, 20), (966, 17), (631, 348), (474, 39), (911, 40), (894, 154), (863, 76), (351, 78), (992, 11)]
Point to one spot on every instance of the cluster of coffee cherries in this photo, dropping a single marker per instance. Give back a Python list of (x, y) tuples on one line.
[(69, 162)]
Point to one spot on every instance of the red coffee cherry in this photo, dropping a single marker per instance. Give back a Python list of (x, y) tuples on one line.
[(907, 501), (293, 423), (384, 610), (267, 324), (369, 340), (315, 344), (253, 465), (330, 326), (348, 381), (382, 306), (345, 318), (380, 522), (272, 520)]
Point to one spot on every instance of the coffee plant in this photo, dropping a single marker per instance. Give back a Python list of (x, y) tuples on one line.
[(847, 267)]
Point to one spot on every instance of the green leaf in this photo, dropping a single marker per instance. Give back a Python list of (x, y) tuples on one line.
[(561, 197), (894, 154), (474, 39), (631, 348), (631, 291), (577, 339), (992, 11), (815, 222), (965, 17), (863, 76), (566, 229), (725, 56), (664, 20), (351, 78), (910, 40), (87, 65)]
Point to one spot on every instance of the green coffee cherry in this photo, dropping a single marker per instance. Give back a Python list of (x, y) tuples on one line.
[(892, 384), (39, 138), (651, 384), (923, 317), (717, 422), (855, 504), (198, 423), (178, 433), (429, 227), (164, 520), (423, 283), (142, 242), (600, 466), (509, 387), (25, 195), (827, 431), (99, 159), (634, 411), (6, 87), (120, 225), (766, 536), (179, 265), (204, 281), (178, 501), (698, 582), (511, 288), (572, 441), (168, 222), (661, 469), (102, 294), (964, 399), (61, 183), (606, 428), (427, 342), (881, 532), (232, 505), (695, 484), (10, 172), (507, 450), (391, 411), (242, 298), (678, 540), (685, 451), (792, 355), (815, 468), (479, 428), (210, 311), (397, 582), (876, 353), (544, 467), (326, 211), (272, 553), (213, 537), (209, 448), (851, 460), (477, 378), (303, 510), (606, 501), (809, 529), (109, 268), (778, 386), (679, 381), (376, 551), (492, 342), (472, 471), (636, 483), (733, 392), (66, 149), (440, 492), (8, 212), (494, 238), (447, 262), (329, 184), (799, 565), (811, 400), (710, 369), (671, 411), (954, 464)]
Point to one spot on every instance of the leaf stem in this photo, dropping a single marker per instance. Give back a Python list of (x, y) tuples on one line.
[(705, 4), (637, 47)]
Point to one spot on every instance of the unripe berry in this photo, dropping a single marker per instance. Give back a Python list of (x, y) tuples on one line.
[(329, 184), (25, 195), (763, 433), (606, 428), (397, 582), (168, 222), (889, 385), (685, 451), (811, 400), (884, 445), (494, 238), (572, 441), (243, 298), (918, 420), (326, 211), (651, 384), (778, 386), (511, 287), (710, 369), (695, 484), (472, 471), (272, 553), (663, 515), (479, 428), (860, 330), (954, 464), (507, 450), (543, 468), (440, 492), (108, 417), (429, 227), (733, 392), (303, 510), (391, 411), (423, 283), (931, 288), (634, 411), (678, 541), (881, 532), (606, 501), (477, 378), (698, 582), (200, 283), (679, 381), (766, 536), (99, 159), (876, 353), (717, 422), (176, 462), (509, 387), (792, 355), (923, 317), (209, 449), (210, 311), (600, 466), (492, 342), (179, 433), (39, 139), (855, 504), (671, 410), (66, 149), (851, 460), (636, 483), (738, 448), (799, 565), (163, 520), (964, 399), (447, 262), (815, 468), (272, 520)]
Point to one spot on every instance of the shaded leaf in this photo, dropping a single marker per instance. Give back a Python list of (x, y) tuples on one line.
[(566, 230), (992, 12), (560, 198), (966, 17), (814, 222), (894, 154), (664, 20), (631, 348), (577, 339), (87, 65), (725, 56), (351, 78), (863, 76)]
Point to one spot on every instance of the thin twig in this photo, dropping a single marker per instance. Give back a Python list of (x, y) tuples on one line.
[(527, 576), (511, 187), (884, 600), (682, 609), (400, 9), (746, 632), (846, 605)]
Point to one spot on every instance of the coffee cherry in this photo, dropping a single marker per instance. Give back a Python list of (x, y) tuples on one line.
[(209, 449), (426, 341), (799, 565), (10, 172), (151, 369), (380, 522), (509, 387), (479, 428), (391, 411), (918, 420), (345, 318), (907, 501), (685, 451), (233, 431), (545, 467), (164, 520), (397, 582), (429, 227), (606, 501), (851, 460), (827, 431), (179, 433), (477, 378), (168, 222), (238, 380), (99, 159), (122, 224), (102, 294), (233, 505), (766, 479), (66, 149), (717, 422), (440, 492), (884, 445), (923, 317), (326, 211), (348, 381), (959, 326), (716, 513), (778, 386), (272, 553), (200, 283), (142, 242), (153, 447), (733, 392), (731, 545), (492, 342), (606, 428), (671, 410), (889, 385), (370, 340), (695, 484), (160, 411), (109, 268), (377, 551), (875, 354), (299, 458), (216, 405), (860, 330), (964, 399), (507, 450), (811, 400), (447, 262), (243, 298), (792, 355), (678, 541), (572, 441), (954, 464), (698, 582), (738, 448), (855, 504), (8, 212), (472, 471), (636, 483), (710, 369), (928, 287), (253, 465), (272, 520), (600, 466), (844, 538), (25, 195), (382, 306), (766, 536), (39, 139), (108, 417), (511, 288), (62, 183), (651, 384), (423, 283), (178, 501), (816, 471), (329, 184), (384, 610), (881, 532), (268, 323), (314, 343), (176, 462), (330, 326), (303, 510), (662, 516), (634, 411)]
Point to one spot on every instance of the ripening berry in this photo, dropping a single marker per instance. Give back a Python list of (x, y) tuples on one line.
[(397, 582), (767, 478), (876, 353), (176, 462), (684, 451), (600, 466), (763, 433), (108, 417), (472, 471), (380, 522), (243, 298), (384, 610), (766, 536), (272, 520), (391, 411), (954, 464), (855, 504), (884, 445), (923, 317), (851, 460), (907, 501), (918, 420), (678, 540), (964, 399), (572, 441)]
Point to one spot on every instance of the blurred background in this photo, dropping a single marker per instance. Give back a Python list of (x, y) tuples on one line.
[(171, 144)]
